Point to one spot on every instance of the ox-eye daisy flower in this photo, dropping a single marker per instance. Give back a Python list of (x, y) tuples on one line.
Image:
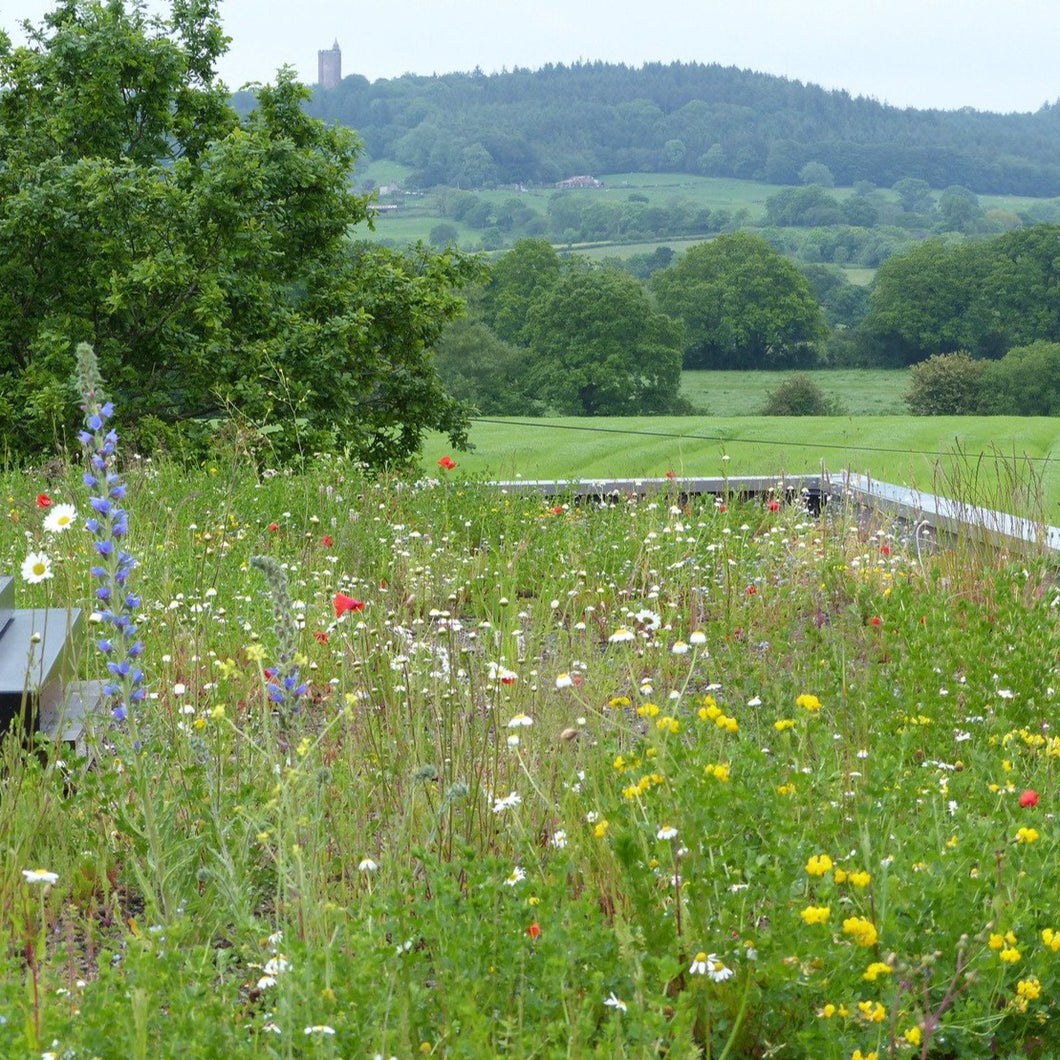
[(40, 876), (60, 518), (36, 567)]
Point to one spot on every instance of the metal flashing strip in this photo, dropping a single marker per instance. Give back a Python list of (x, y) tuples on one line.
[(939, 514)]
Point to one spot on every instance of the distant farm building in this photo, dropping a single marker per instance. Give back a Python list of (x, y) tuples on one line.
[(580, 182)]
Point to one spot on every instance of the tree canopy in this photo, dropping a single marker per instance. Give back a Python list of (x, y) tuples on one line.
[(984, 297), (598, 347), (743, 305), (540, 126), (205, 256)]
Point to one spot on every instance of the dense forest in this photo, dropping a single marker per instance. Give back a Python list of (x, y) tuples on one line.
[(474, 130)]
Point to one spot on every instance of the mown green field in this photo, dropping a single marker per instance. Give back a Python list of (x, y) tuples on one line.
[(862, 391), (954, 456)]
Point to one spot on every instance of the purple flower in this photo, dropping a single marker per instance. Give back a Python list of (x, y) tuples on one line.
[(109, 526)]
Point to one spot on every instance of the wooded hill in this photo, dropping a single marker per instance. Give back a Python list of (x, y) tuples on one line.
[(475, 130)]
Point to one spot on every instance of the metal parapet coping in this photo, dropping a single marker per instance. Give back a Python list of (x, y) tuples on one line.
[(923, 510)]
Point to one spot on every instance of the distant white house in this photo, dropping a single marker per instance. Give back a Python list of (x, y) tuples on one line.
[(580, 182)]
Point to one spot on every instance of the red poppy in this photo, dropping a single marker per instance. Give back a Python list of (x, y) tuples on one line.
[(885, 549), (327, 540), (533, 930), (722, 508), (273, 527), (1029, 798), (344, 603), (321, 638), (752, 590), (774, 506), (44, 501), (558, 510), (447, 462), (671, 474), (876, 620)]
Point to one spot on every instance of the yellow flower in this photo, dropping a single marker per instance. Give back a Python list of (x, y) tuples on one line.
[(1027, 835), (818, 865), (785, 789), (647, 710), (601, 829), (1010, 955), (710, 711), (863, 931), (256, 651), (996, 942), (840, 875), (1029, 988), (618, 701), (783, 724), (859, 1055), (1051, 939), (872, 1011), (912, 1035), (815, 914), (809, 703), (860, 879), (875, 970), (827, 1012), (668, 724), (718, 772)]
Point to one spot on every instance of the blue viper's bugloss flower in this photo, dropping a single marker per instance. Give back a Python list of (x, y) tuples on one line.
[(285, 687), (109, 526)]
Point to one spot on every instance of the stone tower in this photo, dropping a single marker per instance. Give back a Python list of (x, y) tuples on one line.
[(329, 66)]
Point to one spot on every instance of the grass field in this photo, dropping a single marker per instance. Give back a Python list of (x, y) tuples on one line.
[(861, 391), (935, 454)]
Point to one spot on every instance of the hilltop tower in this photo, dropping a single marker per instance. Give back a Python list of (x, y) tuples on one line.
[(329, 66)]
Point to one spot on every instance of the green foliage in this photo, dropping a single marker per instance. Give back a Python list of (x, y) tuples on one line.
[(946, 384), (600, 348), (540, 126), (742, 304), (204, 256), (799, 395), (984, 297), (810, 206), (1025, 382), (518, 280), (484, 370), (442, 235)]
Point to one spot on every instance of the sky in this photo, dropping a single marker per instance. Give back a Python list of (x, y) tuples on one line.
[(986, 54)]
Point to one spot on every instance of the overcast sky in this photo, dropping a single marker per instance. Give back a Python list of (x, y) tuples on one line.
[(987, 54)]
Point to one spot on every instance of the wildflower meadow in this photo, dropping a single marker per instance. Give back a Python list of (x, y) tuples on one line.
[(410, 766)]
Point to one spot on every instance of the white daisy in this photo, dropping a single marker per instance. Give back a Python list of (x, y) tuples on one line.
[(40, 876), (36, 567), (60, 518)]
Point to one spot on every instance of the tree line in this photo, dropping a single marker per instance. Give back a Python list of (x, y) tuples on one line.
[(551, 335), (472, 130)]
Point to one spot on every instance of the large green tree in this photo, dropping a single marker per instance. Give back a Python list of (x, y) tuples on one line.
[(984, 297), (743, 305), (206, 257), (598, 347), (518, 279)]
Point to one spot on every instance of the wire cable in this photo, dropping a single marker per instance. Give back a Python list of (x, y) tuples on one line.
[(727, 440)]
